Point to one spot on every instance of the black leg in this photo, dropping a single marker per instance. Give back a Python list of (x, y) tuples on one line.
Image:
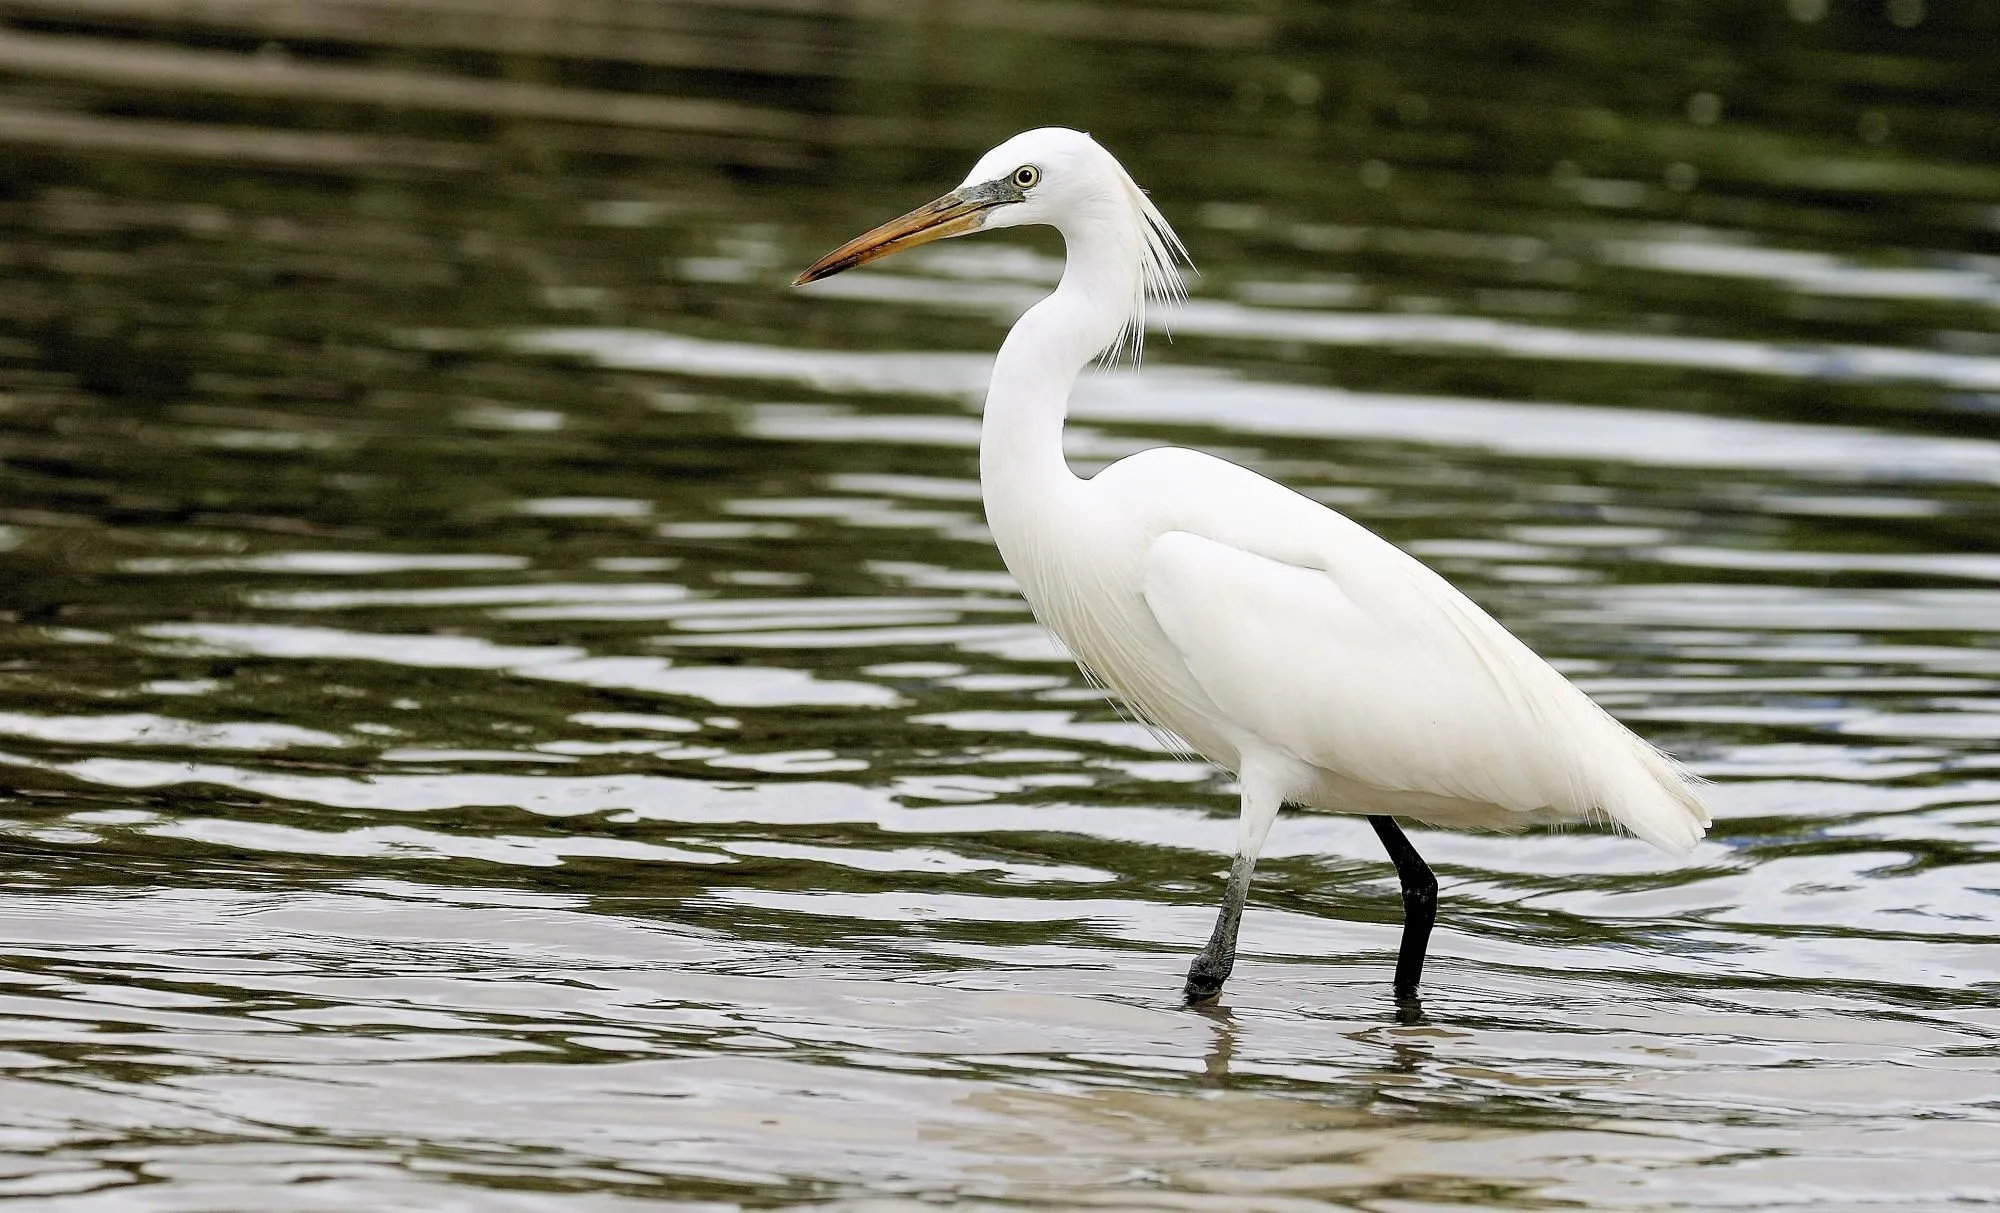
[(1212, 964), (1420, 904), (1263, 796)]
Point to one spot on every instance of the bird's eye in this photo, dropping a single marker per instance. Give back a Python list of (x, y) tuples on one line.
[(1027, 175)]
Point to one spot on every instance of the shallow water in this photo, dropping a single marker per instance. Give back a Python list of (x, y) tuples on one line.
[(504, 705)]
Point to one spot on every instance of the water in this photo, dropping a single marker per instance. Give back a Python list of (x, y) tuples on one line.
[(508, 706)]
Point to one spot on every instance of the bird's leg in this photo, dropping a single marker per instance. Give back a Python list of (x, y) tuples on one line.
[(1420, 904), (1212, 964)]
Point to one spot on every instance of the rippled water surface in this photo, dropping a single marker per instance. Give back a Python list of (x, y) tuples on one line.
[(505, 705)]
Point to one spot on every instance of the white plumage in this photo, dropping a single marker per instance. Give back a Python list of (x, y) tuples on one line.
[(1276, 637)]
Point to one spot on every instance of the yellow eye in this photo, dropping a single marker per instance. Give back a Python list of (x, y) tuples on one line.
[(1027, 175)]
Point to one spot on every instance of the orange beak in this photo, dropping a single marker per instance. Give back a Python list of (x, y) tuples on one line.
[(961, 211)]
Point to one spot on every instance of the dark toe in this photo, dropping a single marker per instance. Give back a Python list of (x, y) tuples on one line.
[(1204, 981)]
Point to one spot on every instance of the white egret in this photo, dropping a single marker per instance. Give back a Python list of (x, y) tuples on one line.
[(1277, 638)]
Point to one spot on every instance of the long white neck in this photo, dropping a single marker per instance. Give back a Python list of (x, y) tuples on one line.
[(1022, 473)]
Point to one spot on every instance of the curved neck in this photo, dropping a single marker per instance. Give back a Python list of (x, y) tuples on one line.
[(1020, 438)]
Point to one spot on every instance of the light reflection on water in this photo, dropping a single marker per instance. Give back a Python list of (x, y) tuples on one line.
[(505, 706)]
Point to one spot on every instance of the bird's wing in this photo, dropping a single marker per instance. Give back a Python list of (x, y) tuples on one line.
[(1342, 651)]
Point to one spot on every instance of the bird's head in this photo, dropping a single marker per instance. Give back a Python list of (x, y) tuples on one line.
[(1054, 176)]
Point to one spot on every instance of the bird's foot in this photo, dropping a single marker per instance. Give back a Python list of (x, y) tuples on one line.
[(1205, 978)]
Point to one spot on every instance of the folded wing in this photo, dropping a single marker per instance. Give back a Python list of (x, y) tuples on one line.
[(1339, 649)]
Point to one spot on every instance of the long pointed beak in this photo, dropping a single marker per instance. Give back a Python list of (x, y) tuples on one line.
[(961, 211)]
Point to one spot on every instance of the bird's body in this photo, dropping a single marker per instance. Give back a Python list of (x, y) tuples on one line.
[(1273, 636), (1307, 648)]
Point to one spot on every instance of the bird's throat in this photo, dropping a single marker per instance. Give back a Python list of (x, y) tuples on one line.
[(1022, 471)]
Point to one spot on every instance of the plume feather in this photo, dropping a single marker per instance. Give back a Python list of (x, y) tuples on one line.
[(1161, 256)]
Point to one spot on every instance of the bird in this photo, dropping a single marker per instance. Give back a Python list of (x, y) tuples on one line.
[(1272, 636)]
